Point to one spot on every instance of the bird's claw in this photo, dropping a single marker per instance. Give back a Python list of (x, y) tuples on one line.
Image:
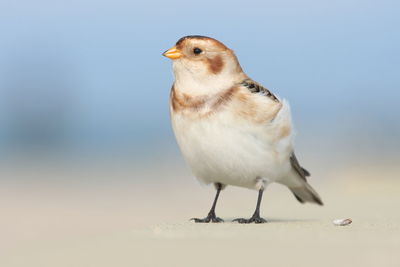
[(253, 219), (209, 218)]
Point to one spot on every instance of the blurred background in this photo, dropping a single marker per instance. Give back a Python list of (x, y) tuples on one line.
[(86, 79), (84, 91)]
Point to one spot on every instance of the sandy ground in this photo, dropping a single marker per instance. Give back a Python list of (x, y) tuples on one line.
[(110, 219)]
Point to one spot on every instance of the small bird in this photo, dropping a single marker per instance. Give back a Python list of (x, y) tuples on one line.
[(231, 130)]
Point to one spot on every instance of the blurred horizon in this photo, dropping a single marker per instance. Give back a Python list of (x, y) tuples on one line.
[(86, 79)]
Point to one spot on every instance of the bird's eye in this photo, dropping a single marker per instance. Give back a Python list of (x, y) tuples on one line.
[(197, 51)]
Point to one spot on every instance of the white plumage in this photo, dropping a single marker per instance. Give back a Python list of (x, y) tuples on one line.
[(222, 148)]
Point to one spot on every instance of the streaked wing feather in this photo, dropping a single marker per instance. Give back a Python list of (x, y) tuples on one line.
[(255, 88)]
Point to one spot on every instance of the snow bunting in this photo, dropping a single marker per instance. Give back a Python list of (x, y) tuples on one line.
[(231, 130)]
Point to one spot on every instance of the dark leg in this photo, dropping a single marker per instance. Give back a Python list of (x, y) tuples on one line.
[(256, 216), (211, 215)]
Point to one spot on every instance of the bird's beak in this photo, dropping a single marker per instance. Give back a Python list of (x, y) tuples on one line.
[(173, 53)]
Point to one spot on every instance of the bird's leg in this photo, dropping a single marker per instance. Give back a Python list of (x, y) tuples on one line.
[(211, 217), (256, 216)]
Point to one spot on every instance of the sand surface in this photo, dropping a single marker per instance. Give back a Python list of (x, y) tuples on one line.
[(127, 222)]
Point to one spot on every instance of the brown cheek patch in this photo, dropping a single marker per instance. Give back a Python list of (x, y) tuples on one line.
[(215, 64)]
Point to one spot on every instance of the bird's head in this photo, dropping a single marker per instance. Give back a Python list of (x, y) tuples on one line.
[(204, 64)]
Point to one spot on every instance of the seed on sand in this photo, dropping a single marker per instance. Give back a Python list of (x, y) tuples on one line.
[(342, 222)]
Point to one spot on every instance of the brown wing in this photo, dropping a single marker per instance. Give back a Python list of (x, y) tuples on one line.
[(296, 166)]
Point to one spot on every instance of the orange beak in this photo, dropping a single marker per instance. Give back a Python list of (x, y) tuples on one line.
[(173, 53)]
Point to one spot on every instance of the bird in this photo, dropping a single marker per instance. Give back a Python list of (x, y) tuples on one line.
[(230, 129)]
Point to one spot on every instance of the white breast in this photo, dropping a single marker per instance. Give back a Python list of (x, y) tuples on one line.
[(222, 148)]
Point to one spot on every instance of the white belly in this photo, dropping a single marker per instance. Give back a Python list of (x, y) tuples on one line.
[(219, 149)]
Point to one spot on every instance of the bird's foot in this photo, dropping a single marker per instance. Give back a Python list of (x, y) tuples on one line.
[(210, 218), (254, 219)]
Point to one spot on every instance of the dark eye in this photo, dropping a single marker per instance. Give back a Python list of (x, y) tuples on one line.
[(197, 51)]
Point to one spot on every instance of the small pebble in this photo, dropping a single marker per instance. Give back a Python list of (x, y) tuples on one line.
[(342, 222)]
